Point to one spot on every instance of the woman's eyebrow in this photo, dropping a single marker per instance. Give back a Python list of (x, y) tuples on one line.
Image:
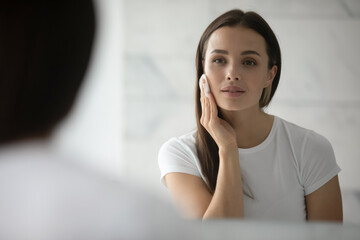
[(247, 52), (219, 51)]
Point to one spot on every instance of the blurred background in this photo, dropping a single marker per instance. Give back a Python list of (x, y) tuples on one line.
[(140, 85)]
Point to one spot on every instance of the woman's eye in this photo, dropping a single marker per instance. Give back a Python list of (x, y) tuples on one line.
[(249, 62), (218, 60)]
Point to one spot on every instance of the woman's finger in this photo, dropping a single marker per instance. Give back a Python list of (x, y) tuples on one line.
[(206, 109), (213, 111), (201, 103)]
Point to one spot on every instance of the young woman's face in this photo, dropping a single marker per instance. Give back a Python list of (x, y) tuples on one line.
[(236, 66)]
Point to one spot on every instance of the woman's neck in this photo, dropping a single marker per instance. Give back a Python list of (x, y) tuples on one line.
[(252, 125)]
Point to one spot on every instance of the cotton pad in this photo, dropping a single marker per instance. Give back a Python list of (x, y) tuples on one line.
[(206, 87)]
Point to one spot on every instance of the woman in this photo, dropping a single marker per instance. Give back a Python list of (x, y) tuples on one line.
[(242, 162)]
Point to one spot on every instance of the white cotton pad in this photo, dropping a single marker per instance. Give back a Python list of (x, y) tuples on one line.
[(206, 88)]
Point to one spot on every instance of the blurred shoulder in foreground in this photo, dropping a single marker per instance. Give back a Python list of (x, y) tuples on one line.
[(44, 195)]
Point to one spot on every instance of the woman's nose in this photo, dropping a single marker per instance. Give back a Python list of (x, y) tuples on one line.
[(233, 75)]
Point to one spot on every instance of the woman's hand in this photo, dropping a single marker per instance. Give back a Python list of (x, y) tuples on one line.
[(227, 200), (220, 130)]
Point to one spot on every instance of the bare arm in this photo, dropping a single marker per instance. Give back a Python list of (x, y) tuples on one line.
[(227, 200), (194, 200), (325, 203), (189, 193)]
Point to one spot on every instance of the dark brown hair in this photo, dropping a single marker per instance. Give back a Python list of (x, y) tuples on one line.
[(45, 48), (207, 149)]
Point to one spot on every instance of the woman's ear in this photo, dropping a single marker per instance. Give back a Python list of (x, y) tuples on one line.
[(270, 76)]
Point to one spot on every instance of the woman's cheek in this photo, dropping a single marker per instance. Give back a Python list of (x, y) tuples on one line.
[(214, 82)]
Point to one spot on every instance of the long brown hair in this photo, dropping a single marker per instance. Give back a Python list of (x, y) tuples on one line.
[(206, 147)]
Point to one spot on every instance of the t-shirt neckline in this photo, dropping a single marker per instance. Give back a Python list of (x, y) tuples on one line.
[(263, 143)]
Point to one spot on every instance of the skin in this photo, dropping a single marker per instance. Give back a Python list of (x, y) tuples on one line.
[(236, 57)]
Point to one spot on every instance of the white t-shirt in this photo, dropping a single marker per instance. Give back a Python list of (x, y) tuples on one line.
[(44, 195), (289, 164)]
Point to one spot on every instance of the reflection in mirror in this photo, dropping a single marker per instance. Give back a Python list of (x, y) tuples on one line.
[(160, 75)]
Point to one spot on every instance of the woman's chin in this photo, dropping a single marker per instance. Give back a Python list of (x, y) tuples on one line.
[(236, 107), (231, 108)]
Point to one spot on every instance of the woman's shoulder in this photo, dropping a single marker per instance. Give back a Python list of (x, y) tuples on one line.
[(184, 142), (292, 127), (314, 156), (179, 154), (302, 135)]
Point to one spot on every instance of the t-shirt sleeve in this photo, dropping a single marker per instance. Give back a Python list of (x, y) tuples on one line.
[(175, 156), (319, 162)]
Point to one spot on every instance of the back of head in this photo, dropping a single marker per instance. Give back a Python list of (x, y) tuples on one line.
[(45, 48)]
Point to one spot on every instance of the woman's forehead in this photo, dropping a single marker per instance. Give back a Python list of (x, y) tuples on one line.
[(236, 39)]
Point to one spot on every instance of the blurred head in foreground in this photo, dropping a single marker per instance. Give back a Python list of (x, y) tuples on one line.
[(45, 48)]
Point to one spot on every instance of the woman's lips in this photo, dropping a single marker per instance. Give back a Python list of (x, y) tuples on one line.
[(232, 91)]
